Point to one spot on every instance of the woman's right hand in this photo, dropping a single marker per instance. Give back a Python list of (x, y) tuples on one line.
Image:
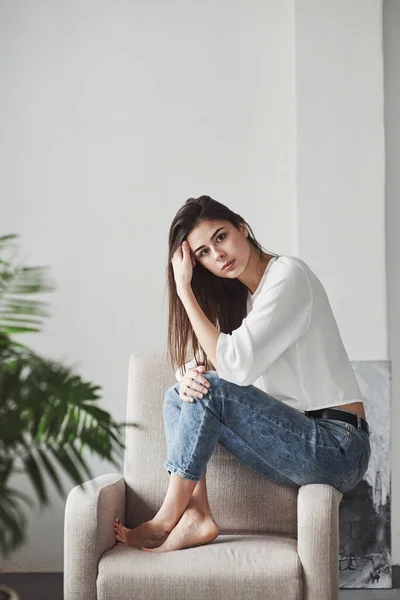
[(193, 388)]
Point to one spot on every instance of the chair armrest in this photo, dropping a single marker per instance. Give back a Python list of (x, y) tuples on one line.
[(88, 531), (318, 540)]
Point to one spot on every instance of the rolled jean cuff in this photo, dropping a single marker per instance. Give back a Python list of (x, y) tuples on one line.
[(182, 474)]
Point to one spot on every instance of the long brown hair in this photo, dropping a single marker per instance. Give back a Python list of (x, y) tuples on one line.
[(223, 301)]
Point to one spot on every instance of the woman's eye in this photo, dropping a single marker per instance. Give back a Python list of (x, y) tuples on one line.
[(224, 234)]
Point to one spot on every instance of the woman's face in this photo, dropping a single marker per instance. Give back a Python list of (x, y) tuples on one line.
[(214, 243)]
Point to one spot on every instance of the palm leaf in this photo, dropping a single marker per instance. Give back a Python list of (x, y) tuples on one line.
[(13, 524), (51, 471), (5, 239), (82, 462), (48, 414), (16, 281), (62, 455), (34, 473)]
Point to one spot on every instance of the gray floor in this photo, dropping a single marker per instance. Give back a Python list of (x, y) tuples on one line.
[(49, 586)]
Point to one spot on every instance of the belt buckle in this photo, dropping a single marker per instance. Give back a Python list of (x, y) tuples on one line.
[(358, 422)]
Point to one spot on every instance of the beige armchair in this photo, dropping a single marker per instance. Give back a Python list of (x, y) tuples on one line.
[(275, 542)]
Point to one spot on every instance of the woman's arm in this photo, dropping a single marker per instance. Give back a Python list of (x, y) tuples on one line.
[(280, 316)]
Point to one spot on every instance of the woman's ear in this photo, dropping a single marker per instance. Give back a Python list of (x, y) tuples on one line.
[(243, 229)]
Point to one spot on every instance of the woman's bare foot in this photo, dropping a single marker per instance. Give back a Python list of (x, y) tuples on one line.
[(150, 534), (193, 529)]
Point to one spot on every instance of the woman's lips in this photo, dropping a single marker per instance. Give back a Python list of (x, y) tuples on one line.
[(229, 266)]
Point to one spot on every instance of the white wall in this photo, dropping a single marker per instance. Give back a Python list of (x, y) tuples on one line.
[(114, 114), (340, 163), (391, 46)]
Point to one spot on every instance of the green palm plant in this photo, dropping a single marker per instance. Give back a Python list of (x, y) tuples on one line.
[(48, 413)]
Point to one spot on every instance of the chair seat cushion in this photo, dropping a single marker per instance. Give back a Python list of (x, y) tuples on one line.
[(248, 567)]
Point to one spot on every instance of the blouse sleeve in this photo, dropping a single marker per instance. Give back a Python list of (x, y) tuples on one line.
[(280, 316)]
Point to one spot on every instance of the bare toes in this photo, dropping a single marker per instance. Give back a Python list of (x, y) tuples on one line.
[(119, 533)]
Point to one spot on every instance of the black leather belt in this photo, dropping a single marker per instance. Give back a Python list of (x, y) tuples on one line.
[(339, 415)]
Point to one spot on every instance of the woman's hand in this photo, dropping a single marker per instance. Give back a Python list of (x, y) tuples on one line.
[(189, 389), (182, 263)]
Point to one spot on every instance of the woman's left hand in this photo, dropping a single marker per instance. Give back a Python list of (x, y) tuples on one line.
[(182, 264)]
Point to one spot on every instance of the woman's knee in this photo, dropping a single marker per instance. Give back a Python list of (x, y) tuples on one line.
[(172, 393)]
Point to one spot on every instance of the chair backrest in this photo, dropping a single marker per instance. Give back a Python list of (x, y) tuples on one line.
[(241, 501)]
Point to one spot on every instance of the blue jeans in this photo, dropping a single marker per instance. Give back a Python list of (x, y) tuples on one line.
[(266, 435)]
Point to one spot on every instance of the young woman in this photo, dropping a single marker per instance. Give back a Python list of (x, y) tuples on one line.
[(274, 384)]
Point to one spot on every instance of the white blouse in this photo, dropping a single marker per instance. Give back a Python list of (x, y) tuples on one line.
[(289, 344)]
